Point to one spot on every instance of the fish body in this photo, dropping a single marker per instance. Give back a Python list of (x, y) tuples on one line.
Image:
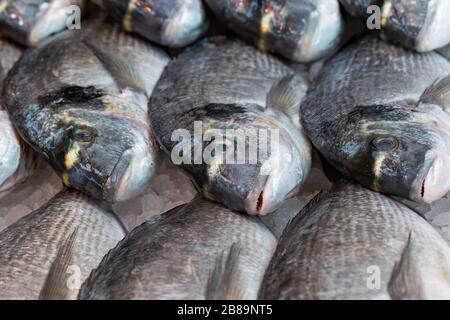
[(300, 30), (50, 252), (30, 21), (422, 25), (224, 86), (80, 100), (353, 243), (197, 251), (174, 23), (17, 161), (379, 113)]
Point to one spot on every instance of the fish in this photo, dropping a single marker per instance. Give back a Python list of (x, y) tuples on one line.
[(175, 23), (421, 25), (50, 252), (30, 21), (79, 99), (379, 113), (353, 243), (200, 250), (17, 161), (225, 113), (299, 30)]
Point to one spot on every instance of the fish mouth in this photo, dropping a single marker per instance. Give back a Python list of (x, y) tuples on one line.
[(435, 183)]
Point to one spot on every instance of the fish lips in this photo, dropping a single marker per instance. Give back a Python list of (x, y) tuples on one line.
[(432, 182)]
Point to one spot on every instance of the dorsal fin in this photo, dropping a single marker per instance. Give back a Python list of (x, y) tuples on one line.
[(287, 93), (124, 74), (411, 280), (438, 93), (224, 282), (55, 286)]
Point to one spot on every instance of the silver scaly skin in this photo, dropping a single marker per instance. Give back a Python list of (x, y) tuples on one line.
[(50, 252), (353, 243), (197, 251)]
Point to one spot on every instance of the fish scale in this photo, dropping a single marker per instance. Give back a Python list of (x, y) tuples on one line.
[(325, 252), (30, 246), (174, 256)]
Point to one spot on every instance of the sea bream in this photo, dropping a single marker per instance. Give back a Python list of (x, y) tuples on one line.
[(380, 114), (196, 251), (50, 252), (236, 105), (174, 23), (353, 243), (17, 161), (422, 25), (30, 21), (300, 30), (80, 100)]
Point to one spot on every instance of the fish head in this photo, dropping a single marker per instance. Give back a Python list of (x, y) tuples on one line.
[(254, 166), (399, 150), (108, 155)]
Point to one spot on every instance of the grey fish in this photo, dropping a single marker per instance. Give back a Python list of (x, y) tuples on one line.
[(80, 100), (174, 23), (30, 21), (353, 243), (300, 30), (379, 114), (197, 251), (17, 161), (225, 85), (422, 25), (50, 252)]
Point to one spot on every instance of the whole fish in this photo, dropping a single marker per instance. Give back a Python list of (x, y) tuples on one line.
[(174, 23), (244, 96), (80, 100), (379, 114), (300, 30), (354, 243), (17, 161), (196, 251), (30, 21), (422, 25), (50, 252)]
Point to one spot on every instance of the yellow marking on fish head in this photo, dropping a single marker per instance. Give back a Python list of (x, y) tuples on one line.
[(65, 179), (71, 156), (127, 18), (377, 170), (3, 5), (386, 10), (264, 27)]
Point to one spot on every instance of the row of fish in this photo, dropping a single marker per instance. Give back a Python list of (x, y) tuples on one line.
[(300, 30), (347, 243)]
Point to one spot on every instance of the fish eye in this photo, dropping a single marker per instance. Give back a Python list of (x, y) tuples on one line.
[(384, 143), (84, 134)]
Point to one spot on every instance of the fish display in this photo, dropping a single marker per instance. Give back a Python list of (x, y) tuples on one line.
[(232, 103), (30, 21), (422, 25), (300, 30), (197, 251), (379, 114), (80, 101), (49, 253), (17, 161), (174, 23), (353, 243)]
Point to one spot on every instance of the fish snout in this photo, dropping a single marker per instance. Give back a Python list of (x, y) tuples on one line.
[(130, 176), (435, 183)]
